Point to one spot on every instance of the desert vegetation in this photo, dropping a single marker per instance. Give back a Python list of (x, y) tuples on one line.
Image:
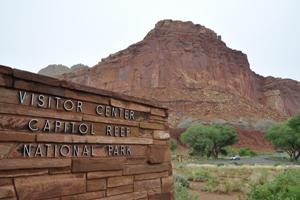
[(205, 167), (245, 182), (286, 136), (209, 140)]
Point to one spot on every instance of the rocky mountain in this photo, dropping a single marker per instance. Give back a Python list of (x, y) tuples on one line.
[(57, 70), (188, 68)]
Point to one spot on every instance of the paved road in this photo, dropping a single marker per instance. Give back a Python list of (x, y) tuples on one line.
[(260, 160)]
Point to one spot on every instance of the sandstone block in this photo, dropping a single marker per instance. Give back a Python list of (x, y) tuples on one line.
[(49, 186), (8, 95), (158, 153), (5, 149), (6, 81), (96, 164), (161, 196), (39, 88), (59, 138), (36, 78), (6, 181), (159, 112), (157, 118), (18, 163), (7, 191), (13, 136), (129, 105), (22, 172), (119, 190), (86, 97), (6, 70), (167, 184), (93, 118), (136, 160), (62, 170), (149, 125), (128, 196), (147, 185), (103, 174), (85, 196), (96, 184), (119, 181), (151, 175), (29, 111), (161, 135), (145, 168)]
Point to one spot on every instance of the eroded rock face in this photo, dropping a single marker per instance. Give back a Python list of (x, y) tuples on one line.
[(55, 70), (188, 68)]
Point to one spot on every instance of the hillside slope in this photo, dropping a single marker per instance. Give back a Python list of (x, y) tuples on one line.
[(188, 68)]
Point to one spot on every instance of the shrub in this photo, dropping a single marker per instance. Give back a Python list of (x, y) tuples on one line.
[(181, 193), (173, 145), (230, 151), (202, 176), (181, 184), (211, 185), (199, 175), (178, 178), (247, 152), (286, 186)]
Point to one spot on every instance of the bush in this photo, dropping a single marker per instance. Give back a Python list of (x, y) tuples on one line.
[(198, 175), (181, 184), (181, 193), (202, 176), (286, 186), (178, 178), (230, 151), (247, 152), (212, 185), (173, 145)]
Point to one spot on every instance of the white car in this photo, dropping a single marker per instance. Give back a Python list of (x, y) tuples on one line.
[(236, 157)]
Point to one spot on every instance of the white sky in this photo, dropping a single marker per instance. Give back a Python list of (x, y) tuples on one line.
[(35, 33)]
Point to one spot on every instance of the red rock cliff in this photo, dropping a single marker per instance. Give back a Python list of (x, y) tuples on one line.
[(190, 69)]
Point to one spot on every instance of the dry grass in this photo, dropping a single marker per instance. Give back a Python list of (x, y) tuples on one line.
[(231, 178)]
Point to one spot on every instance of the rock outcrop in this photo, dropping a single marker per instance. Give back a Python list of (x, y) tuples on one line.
[(57, 70), (188, 68)]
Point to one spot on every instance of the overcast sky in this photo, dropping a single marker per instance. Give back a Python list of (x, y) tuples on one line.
[(35, 33)]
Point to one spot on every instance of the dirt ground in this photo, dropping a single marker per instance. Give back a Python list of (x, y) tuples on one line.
[(195, 189)]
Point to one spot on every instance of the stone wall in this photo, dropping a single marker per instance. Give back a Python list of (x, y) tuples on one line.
[(66, 141)]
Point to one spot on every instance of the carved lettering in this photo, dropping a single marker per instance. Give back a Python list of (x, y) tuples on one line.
[(22, 96), (31, 124)]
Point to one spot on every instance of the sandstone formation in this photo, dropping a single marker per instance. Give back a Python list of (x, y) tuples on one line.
[(57, 70), (188, 68)]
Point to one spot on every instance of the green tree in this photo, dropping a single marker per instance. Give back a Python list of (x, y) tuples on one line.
[(209, 140), (286, 137)]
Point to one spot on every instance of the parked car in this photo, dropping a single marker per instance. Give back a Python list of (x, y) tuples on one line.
[(236, 157)]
